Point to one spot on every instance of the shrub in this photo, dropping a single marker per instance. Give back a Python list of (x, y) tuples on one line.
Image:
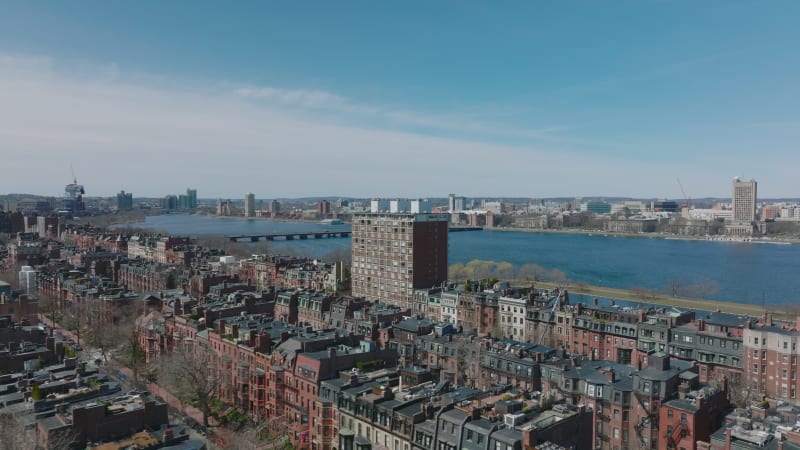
[(36, 393)]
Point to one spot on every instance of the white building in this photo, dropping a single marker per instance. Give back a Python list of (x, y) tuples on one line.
[(512, 313)]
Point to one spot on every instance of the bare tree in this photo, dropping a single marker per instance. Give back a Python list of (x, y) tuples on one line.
[(76, 319), (531, 272), (10, 274), (703, 288), (127, 339), (192, 374), (342, 254), (262, 248), (675, 287), (505, 271), (456, 272), (739, 393), (478, 269), (559, 278), (50, 307), (13, 436)]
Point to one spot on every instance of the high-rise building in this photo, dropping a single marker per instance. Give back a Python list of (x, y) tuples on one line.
[(743, 200), (249, 205), (274, 207), (169, 202), (124, 201), (455, 203), (191, 198), (324, 208), (73, 198), (395, 253)]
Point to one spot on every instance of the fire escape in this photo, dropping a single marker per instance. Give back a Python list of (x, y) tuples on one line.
[(674, 436), (650, 421)]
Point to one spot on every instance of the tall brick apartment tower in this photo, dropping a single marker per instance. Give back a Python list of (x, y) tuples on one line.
[(395, 252)]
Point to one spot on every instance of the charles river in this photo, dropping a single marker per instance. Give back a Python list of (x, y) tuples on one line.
[(745, 272)]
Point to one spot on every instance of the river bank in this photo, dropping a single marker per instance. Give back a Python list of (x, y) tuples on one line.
[(784, 312), (675, 237)]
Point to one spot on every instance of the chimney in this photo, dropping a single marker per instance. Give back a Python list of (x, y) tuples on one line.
[(769, 319), (235, 331), (642, 315), (178, 307), (610, 375), (168, 434), (251, 338), (221, 326), (780, 443), (529, 438), (331, 352), (475, 413), (727, 438), (797, 323), (263, 342)]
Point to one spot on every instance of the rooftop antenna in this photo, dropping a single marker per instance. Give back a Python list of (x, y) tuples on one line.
[(72, 171)]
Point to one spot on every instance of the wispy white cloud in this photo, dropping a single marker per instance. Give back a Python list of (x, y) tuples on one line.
[(153, 136), (296, 97), (455, 122)]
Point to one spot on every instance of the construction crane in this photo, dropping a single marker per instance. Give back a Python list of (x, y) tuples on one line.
[(688, 199)]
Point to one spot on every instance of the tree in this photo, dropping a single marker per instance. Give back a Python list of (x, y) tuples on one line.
[(36, 393), (262, 248), (13, 435), (478, 269), (675, 287), (341, 254), (559, 278), (76, 319), (739, 393), (456, 272), (531, 272), (50, 307), (703, 288), (126, 338), (505, 271), (191, 373)]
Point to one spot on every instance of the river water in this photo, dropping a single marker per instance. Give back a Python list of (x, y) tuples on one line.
[(744, 272)]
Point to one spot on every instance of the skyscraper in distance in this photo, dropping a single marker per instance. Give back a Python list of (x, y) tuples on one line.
[(191, 198), (743, 200), (249, 205), (124, 201)]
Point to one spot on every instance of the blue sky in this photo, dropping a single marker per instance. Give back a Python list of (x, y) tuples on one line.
[(408, 98)]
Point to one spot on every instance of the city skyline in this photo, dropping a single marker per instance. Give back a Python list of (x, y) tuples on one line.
[(551, 99)]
